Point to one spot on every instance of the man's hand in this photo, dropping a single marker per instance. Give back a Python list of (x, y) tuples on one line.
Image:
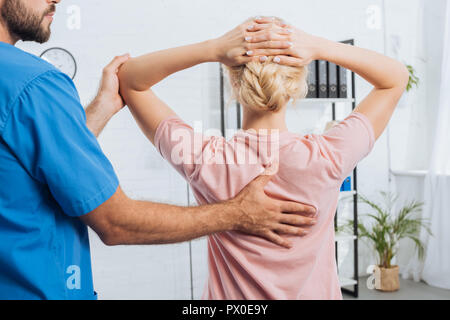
[(247, 43), (108, 100), (109, 85), (263, 216)]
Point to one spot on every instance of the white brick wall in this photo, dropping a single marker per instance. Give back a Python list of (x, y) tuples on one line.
[(113, 27)]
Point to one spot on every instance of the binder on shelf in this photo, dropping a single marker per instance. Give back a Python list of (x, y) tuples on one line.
[(312, 80), (322, 73), (347, 185), (342, 80), (332, 80)]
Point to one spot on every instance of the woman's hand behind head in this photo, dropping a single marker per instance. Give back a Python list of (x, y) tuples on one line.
[(247, 42), (304, 47)]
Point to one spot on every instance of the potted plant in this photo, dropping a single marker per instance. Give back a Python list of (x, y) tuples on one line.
[(388, 227)]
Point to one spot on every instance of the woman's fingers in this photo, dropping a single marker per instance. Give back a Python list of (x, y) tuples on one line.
[(266, 35), (266, 53), (284, 31), (290, 61), (282, 57), (246, 59), (271, 26), (266, 20), (272, 44)]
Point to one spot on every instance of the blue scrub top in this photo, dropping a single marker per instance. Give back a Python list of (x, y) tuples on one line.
[(52, 171)]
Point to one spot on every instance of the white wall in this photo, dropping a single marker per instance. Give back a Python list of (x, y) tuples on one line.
[(415, 37), (113, 27)]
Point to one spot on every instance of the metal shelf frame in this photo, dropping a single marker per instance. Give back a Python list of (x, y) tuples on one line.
[(355, 281)]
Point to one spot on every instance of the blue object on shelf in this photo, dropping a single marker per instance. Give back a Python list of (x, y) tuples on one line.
[(347, 185)]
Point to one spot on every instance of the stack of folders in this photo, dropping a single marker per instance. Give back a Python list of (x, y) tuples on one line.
[(326, 80)]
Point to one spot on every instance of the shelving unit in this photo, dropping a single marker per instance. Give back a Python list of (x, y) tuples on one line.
[(344, 281), (344, 237), (354, 282), (346, 194)]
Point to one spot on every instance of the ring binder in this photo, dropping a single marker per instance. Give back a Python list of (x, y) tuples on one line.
[(312, 80), (342, 82), (322, 71), (332, 80)]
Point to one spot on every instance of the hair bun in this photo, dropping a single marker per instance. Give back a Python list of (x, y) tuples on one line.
[(267, 85)]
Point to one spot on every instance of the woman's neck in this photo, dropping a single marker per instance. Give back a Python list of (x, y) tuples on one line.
[(264, 120)]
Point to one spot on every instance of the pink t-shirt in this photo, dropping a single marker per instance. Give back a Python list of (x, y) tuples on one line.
[(311, 170)]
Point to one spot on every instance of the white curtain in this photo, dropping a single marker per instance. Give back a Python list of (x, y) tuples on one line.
[(436, 267)]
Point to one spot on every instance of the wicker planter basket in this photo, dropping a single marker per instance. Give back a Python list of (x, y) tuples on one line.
[(389, 279)]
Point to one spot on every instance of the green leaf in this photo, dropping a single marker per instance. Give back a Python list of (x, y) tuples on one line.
[(413, 78)]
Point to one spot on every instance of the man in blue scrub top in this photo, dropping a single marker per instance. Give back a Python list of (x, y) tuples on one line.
[(55, 180)]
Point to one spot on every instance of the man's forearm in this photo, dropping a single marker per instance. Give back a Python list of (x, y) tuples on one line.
[(154, 223), (143, 72), (97, 116), (121, 220)]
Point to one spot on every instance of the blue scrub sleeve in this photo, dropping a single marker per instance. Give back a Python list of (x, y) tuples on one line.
[(46, 130)]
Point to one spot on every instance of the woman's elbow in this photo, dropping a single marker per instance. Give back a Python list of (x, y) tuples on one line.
[(124, 76)]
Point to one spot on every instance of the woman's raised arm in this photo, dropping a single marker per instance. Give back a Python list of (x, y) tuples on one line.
[(232, 49), (237, 47), (388, 76)]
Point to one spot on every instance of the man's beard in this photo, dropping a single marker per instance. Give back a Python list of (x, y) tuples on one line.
[(23, 23)]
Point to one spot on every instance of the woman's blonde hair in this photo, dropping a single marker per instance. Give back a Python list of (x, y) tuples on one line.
[(268, 86)]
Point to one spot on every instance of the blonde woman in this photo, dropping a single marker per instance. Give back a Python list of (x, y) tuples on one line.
[(307, 169)]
